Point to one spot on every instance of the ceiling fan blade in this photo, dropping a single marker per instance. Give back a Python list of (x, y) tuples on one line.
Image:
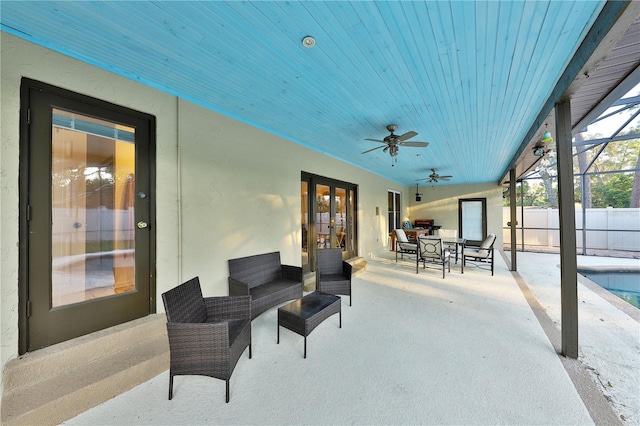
[(373, 149), (374, 140), (445, 177), (406, 136), (418, 180), (416, 144)]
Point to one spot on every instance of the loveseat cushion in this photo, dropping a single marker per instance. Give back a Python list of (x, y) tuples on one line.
[(268, 289)]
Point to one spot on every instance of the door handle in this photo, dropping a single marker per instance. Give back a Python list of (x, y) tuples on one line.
[(142, 224)]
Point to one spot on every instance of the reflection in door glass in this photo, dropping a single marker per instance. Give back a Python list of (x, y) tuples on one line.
[(341, 218), (323, 209), (472, 220), (93, 206), (304, 197)]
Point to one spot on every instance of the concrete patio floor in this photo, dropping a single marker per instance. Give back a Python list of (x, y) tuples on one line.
[(419, 349)]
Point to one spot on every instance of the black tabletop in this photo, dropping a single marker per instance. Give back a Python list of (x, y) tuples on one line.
[(310, 304)]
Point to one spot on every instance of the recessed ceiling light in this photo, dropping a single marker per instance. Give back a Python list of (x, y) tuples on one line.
[(308, 42)]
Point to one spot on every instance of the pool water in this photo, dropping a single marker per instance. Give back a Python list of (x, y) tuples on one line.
[(624, 284)]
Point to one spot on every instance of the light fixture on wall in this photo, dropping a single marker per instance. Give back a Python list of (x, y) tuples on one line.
[(418, 198)]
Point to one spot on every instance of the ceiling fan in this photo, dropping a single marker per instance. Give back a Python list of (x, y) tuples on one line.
[(434, 177), (392, 142)]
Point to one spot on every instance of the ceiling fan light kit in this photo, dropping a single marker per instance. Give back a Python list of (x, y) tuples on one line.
[(393, 142), (434, 177), (539, 151)]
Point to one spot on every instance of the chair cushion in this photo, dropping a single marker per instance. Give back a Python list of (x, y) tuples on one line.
[(487, 242), (476, 252), (408, 246), (401, 236), (271, 288), (332, 277)]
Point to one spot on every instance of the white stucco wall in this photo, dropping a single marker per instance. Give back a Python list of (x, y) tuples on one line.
[(224, 189), (240, 195)]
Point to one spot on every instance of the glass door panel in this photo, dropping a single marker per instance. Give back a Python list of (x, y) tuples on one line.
[(323, 216), (339, 219), (472, 217), (304, 209), (92, 210)]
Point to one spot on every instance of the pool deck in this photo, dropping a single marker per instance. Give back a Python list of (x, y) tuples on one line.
[(419, 349), (609, 327)]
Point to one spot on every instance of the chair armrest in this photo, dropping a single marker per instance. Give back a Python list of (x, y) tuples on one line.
[(347, 269), (291, 272), (227, 308), (198, 338), (238, 288)]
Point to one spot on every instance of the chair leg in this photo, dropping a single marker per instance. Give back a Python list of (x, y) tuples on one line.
[(170, 387), (227, 381), (249, 350), (491, 262)]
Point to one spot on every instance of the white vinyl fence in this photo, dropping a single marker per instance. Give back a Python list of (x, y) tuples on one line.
[(606, 229)]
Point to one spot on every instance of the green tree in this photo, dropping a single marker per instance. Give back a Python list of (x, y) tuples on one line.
[(614, 191)]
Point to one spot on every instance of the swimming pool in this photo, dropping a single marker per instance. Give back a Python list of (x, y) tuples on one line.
[(624, 284)]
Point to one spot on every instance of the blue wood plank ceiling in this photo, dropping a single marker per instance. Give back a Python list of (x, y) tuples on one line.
[(469, 77)]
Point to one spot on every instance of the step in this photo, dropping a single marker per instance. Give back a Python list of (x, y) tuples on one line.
[(359, 265), (309, 281), (57, 383)]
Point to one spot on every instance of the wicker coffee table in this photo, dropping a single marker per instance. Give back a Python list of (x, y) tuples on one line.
[(303, 315)]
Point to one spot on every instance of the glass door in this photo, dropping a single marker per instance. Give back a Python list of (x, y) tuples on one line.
[(472, 217), (328, 217), (88, 224)]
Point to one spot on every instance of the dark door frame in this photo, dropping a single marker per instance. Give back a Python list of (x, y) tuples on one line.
[(484, 218), (25, 211)]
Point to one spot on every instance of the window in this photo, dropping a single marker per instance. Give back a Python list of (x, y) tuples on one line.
[(394, 211)]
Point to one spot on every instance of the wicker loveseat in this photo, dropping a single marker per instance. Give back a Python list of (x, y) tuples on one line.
[(265, 279)]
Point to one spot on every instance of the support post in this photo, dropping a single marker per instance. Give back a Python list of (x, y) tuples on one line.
[(512, 217), (522, 213), (568, 260)]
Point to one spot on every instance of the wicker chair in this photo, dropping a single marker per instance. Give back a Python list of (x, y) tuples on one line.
[(481, 256), (432, 254), (403, 246), (333, 275), (206, 335)]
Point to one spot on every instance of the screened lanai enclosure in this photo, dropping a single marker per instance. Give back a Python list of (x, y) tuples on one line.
[(606, 167)]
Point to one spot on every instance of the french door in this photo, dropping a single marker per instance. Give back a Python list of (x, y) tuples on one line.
[(328, 217), (87, 239)]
